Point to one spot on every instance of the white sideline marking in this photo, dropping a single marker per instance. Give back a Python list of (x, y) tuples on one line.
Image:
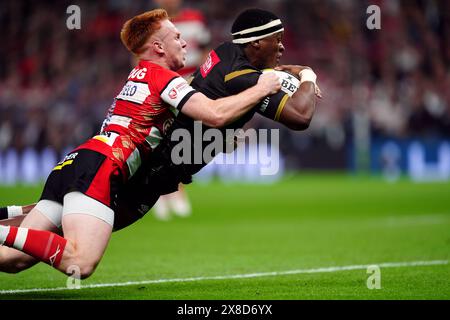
[(237, 276)]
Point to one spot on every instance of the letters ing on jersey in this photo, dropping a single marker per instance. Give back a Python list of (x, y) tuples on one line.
[(141, 114)]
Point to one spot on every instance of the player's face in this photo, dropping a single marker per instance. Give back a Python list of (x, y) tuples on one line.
[(174, 46), (271, 50)]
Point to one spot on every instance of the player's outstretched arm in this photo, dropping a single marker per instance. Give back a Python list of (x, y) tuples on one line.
[(299, 109), (14, 211), (220, 112), (13, 215)]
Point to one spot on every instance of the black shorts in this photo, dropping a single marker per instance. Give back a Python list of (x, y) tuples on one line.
[(86, 171), (94, 175), (97, 176), (140, 193), (132, 202)]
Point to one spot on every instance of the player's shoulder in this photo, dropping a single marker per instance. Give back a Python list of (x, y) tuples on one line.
[(228, 50), (233, 57), (236, 63), (153, 74), (156, 71)]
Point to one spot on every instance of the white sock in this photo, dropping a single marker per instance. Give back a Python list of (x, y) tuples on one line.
[(181, 206), (14, 211), (4, 231), (161, 209)]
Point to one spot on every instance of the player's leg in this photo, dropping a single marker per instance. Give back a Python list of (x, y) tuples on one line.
[(132, 203), (176, 202), (179, 202), (87, 226), (161, 208), (10, 212), (14, 211), (16, 221), (85, 233), (26, 209), (13, 260), (14, 215)]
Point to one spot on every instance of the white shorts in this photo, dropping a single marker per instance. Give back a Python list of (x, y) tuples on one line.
[(75, 202)]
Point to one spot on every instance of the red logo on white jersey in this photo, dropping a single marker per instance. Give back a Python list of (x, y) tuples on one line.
[(181, 86), (210, 62), (173, 94)]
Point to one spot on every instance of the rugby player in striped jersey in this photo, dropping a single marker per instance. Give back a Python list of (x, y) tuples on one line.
[(72, 223)]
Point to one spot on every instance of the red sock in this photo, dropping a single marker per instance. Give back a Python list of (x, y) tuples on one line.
[(43, 245)]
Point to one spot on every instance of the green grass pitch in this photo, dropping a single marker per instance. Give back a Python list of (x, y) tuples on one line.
[(304, 222)]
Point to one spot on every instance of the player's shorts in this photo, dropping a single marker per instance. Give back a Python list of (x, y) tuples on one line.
[(131, 204), (75, 202), (139, 194), (84, 182)]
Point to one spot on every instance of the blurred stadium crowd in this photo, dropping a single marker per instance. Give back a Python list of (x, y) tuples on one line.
[(57, 84)]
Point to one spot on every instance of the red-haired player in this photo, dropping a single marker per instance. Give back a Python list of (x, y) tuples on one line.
[(78, 193)]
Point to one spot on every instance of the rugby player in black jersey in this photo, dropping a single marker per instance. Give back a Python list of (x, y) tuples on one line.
[(229, 69)]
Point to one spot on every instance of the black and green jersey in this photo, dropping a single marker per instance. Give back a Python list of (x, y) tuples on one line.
[(226, 72)]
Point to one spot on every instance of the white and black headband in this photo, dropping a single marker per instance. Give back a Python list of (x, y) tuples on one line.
[(255, 24)]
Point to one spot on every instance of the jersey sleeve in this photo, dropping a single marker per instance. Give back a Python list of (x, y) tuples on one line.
[(271, 106), (173, 89), (240, 80)]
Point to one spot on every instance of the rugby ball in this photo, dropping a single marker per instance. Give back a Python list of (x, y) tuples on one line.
[(289, 83)]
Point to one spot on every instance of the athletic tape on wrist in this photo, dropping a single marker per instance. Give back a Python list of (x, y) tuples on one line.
[(307, 75)]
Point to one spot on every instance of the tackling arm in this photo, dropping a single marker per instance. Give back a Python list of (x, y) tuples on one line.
[(220, 112)]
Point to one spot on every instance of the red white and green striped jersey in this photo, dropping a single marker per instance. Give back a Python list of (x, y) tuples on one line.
[(141, 114)]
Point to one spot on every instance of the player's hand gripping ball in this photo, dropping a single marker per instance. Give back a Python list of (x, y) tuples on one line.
[(289, 83)]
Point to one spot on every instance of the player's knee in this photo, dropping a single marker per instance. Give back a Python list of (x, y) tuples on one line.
[(82, 267), (77, 262), (86, 271)]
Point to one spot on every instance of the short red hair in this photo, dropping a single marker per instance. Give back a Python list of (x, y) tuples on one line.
[(136, 31)]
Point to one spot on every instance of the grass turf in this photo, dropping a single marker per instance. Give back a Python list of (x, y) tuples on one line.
[(303, 222)]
